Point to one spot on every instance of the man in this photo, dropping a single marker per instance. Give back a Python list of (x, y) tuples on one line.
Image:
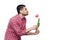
[(17, 25)]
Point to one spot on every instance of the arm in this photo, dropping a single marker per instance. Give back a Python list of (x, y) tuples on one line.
[(28, 30), (17, 28), (32, 28), (30, 33), (33, 33)]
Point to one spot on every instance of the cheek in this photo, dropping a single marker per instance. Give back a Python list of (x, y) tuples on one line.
[(25, 11)]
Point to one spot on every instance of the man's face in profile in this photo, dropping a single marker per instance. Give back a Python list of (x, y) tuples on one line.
[(24, 11)]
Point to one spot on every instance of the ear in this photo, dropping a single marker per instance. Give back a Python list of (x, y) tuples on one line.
[(20, 11)]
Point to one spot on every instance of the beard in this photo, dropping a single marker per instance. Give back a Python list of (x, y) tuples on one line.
[(25, 14)]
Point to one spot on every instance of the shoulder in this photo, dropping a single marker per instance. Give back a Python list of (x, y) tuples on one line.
[(12, 19)]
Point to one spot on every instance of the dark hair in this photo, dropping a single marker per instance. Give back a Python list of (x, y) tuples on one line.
[(20, 7)]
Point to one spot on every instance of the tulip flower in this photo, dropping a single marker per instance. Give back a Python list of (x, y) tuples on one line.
[(38, 22)]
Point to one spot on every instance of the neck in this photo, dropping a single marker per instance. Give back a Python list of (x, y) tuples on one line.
[(20, 15)]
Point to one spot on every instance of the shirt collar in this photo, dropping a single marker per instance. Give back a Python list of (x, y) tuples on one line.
[(20, 17)]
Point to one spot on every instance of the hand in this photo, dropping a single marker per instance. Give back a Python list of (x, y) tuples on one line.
[(34, 27), (37, 32)]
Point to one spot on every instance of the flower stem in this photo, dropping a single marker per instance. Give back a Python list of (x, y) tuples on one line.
[(38, 23)]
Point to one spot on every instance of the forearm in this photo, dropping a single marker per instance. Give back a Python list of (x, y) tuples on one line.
[(30, 33), (31, 28), (28, 30)]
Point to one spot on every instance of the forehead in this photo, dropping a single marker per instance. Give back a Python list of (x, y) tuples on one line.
[(24, 8)]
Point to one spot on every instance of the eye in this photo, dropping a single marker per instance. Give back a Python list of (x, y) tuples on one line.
[(25, 8)]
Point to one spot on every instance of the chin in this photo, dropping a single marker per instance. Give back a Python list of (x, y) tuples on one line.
[(25, 14)]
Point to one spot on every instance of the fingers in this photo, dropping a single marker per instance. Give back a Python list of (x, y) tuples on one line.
[(37, 31)]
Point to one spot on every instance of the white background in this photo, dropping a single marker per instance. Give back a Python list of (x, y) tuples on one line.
[(49, 11)]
